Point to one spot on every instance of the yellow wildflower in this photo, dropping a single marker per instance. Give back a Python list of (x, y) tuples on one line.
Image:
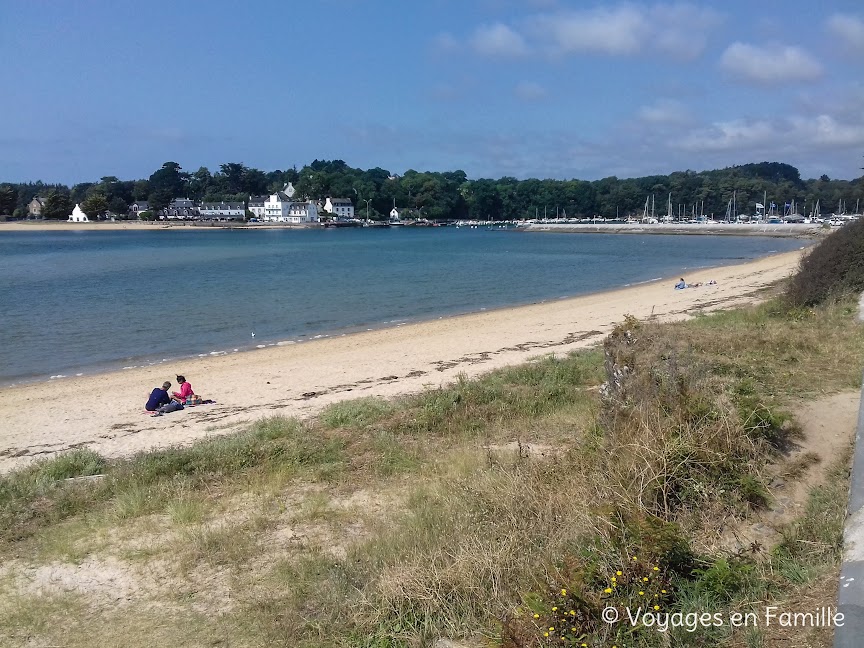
[(656, 607), (572, 612), (545, 634), (663, 591), (554, 609), (618, 573), (656, 569), (608, 590), (641, 593), (614, 579), (563, 592), (536, 616)]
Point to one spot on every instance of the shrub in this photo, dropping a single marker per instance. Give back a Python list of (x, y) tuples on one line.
[(832, 269), (677, 436)]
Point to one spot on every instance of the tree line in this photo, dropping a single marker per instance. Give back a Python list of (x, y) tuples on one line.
[(446, 195)]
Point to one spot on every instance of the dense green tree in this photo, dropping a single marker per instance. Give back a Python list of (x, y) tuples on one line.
[(199, 183), (79, 191), (234, 173), (451, 195), (140, 190), (118, 206), (166, 184), (8, 199), (58, 206), (95, 205), (254, 182)]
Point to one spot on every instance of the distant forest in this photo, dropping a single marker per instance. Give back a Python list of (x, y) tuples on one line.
[(447, 195)]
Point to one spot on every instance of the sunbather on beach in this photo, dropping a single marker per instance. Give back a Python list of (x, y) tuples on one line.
[(185, 391), (158, 397), (681, 284)]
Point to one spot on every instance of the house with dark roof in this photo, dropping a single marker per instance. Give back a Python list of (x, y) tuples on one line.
[(339, 207), (138, 207), (222, 211), (179, 209), (256, 205)]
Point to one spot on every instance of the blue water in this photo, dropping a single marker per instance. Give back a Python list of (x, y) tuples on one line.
[(78, 302)]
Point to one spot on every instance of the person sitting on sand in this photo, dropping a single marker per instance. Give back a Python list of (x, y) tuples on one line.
[(158, 397), (681, 284), (185, 391)]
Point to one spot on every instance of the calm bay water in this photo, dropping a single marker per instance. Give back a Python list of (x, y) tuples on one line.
[(78, 302)]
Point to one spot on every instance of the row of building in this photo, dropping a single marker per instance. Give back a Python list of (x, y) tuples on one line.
[(280, 207)]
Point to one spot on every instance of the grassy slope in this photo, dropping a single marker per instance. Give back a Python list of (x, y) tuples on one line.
[(393, 523)]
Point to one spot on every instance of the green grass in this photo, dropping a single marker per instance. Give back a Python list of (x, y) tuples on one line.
[(148, 482), (457, 538)]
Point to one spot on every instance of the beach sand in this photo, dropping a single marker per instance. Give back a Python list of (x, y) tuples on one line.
[(105, 226), (106, 412)]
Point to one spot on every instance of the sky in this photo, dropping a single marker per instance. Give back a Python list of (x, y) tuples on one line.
[(523, 88)]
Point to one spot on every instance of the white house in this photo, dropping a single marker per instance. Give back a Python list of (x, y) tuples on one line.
[(223, 211), (276, 208), (280, 208), (303, 212), (78, 216), (256, 205), (339, 207), (394, 214)]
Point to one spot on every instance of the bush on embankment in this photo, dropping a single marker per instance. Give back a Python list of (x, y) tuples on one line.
[(833, 269)]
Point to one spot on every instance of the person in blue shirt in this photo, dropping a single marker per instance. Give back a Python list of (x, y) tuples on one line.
[(681, 284), (158, 397)]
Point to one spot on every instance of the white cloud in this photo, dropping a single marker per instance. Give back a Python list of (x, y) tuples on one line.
[(609, 31), (498, 40), (826, 131), (678, 30), (724, 136), (529, 91), (848, 29), (790, 134), (769, 64), (664, 111)]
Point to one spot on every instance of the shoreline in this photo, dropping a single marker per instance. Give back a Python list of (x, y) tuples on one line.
[(683, 229), (105, 412), (686, 229), (149, 226)]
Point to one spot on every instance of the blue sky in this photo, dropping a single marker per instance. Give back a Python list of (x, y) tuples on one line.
[(527, 88)]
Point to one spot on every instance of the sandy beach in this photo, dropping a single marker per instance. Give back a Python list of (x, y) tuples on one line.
[(131, 225), (106, 412)]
